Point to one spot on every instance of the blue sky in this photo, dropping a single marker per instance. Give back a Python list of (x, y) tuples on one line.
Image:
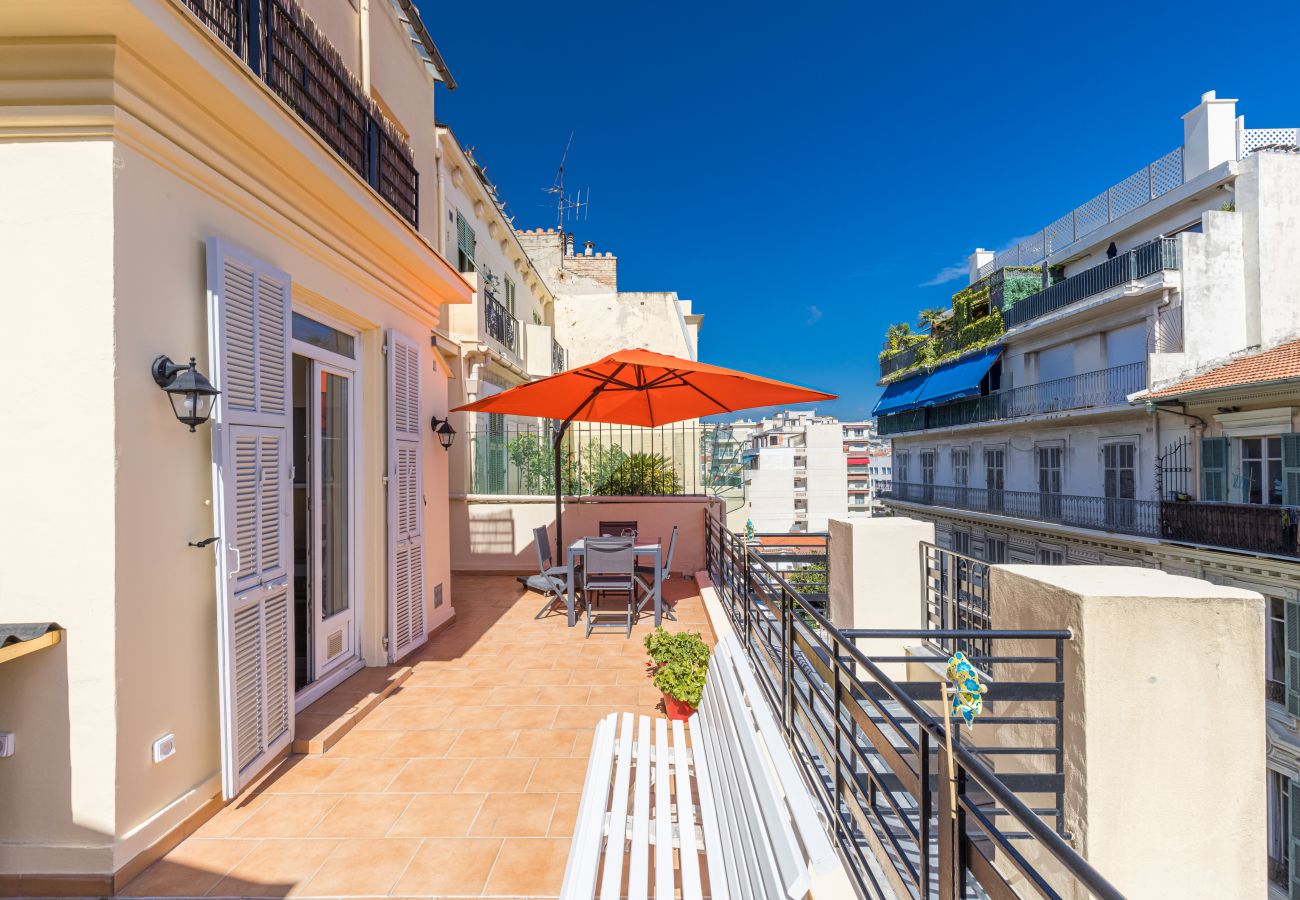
[(807, 173)]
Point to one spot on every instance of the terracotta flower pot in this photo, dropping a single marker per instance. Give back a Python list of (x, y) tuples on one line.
[(677, 710)]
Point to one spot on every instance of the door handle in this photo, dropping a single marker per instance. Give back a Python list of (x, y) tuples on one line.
[(278, 583), (238, 563)]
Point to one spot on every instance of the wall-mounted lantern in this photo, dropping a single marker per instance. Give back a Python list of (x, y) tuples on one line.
[(190, 393), (446, 434)]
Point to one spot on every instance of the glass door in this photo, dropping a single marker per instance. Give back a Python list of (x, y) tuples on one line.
[(331, 517)]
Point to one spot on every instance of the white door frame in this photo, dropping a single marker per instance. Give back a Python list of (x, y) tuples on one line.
[(352, 368)]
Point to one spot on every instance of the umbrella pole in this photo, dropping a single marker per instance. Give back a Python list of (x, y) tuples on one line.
[(560, 558)]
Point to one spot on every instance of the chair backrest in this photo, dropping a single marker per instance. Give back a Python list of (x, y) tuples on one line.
[(618, 529), (543, 547), (747, 758), (668, 557), (609, 556)]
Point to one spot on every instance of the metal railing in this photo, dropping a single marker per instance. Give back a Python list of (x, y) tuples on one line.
[(1105, 387), (1167, 333), (559, 358), (1156, 256), (803, 559), (500, 325), (904, 359), (285, 48), (1239, 526), (909, 817), (1140, 188), (955, 590), (1118, 515), (684, 458)]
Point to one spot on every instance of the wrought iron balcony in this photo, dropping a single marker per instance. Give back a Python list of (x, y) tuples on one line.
[(1239, 526), (559, 358), (501, 326), (1123, 516), (904, 359), (1139, 262), (285, 48), (1105, 387)]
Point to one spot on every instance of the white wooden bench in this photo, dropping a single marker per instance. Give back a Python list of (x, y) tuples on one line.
[(733, 797)]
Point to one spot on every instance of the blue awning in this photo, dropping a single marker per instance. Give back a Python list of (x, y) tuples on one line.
[(951, 382), (901, 395), (959, 379)]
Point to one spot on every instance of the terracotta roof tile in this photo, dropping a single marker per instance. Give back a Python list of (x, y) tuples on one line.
[(1280, 363)]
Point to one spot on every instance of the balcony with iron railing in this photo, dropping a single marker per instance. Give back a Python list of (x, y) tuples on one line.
[(1140, 262), (500, 325), (1090, 390), (1239, 526), (286, 50), (559, 358)]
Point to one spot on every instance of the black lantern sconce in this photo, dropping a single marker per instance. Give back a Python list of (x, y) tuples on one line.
[(191, 394), (446, 434)]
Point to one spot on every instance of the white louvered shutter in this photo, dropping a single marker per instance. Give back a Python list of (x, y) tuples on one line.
[(406, 619), (248, 313)]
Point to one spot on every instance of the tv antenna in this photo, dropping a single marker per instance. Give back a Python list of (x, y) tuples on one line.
[(567, 206)]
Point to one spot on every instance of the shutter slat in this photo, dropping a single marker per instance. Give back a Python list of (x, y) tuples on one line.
[(1291, 469), (1214, 469)]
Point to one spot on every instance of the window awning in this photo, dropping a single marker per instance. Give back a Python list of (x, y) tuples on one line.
[(901, 395), (951, 382)]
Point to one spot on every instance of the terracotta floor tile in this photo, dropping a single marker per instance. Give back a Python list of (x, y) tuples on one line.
[(275, 868), (362, 815), (287, 815), (421, 744), (361, 776), (483, 743), (547, 677), (574, 694), (190, 869), (231, 816), (466, 717), (487, 776), (514, 696), (416, 718), (582, 741), (300, 774), (621, 696), (465, 696), (361, 743), (530, 866), (506, 815), (565, 815), (430, 874), (525, 716), (544, 742), (367, 867), (430, 776), (555, 775), (413, 696), (438, 815), (581, 716)]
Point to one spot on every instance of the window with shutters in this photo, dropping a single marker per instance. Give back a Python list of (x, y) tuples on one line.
[(1214, 468), (995, 549), (901, 461), (1291, 616), (1261, 470), (510, 296), (1275, 642), (465, 245), (1051, 555), (405, 499), (1280, 789), (960, 466), (1119, 483), (1050, 479), (995, 462)]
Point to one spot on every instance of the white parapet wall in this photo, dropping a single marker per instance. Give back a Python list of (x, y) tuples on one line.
[(1164, 723), (875, 580)]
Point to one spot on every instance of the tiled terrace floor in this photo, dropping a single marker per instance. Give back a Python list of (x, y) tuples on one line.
[(464, 782)]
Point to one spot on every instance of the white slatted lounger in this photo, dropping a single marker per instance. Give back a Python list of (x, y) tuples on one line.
[(734, 798)]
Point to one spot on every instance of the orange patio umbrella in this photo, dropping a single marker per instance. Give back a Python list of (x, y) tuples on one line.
[(637, 387)]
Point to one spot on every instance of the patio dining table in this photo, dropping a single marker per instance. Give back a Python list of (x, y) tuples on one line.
[(578, 549)]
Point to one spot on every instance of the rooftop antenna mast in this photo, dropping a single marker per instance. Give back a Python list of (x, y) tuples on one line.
[(570, 207)]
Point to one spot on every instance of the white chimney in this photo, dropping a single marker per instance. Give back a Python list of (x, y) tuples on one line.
[(568, 243), (588, 248), (1209, 135)]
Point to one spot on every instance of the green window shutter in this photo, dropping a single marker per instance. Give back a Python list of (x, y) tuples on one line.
[(464, 236), (1214, 468), (1293, 839), (510, 299), (1291, 469), (1292, 625)]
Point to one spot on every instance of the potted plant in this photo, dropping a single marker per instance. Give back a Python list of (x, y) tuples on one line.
[(678, 664)]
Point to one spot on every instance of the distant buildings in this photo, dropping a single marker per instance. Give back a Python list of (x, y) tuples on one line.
[(1121, 388)]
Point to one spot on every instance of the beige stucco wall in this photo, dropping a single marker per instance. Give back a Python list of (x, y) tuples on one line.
[(112, 194), (57, 533), (495, 534), (1162, 714)]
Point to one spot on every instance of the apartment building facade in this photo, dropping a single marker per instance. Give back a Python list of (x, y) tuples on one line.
[(867, 459), (1041, 421), (795, 472)]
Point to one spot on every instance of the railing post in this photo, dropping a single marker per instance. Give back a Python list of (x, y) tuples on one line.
[(947, 833), (253, 37), (787, 654), (925, 809), (837, 777), (748, 585)]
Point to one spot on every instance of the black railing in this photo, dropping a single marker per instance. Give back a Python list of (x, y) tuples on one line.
[(1105, 387), (904, 359), (1139, 262), (934, 822), (1114, 514), (283, 46), (1239, 526), (955, 597), (559, 358), (501, 326), (803, 559)]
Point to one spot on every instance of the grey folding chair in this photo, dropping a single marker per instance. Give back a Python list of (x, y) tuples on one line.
[(645, 576), (551, 581), (609, 567)]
